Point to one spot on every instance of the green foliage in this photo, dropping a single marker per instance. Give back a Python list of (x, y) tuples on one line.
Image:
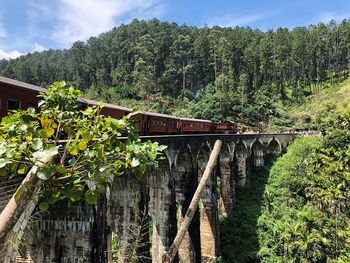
[(306, 214), (316, 111), (249, 69), (87, 147), (280, 229), (238, 232), (216, 105)]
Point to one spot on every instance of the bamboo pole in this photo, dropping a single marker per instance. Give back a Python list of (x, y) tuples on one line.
[(169, 257)]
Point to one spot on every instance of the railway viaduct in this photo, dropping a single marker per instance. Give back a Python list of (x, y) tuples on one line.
[(145, 213)]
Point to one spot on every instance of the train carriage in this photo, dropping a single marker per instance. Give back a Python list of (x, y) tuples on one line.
[(19, 95), (195, 125), (16, 95), (225, 127), (156, 123)]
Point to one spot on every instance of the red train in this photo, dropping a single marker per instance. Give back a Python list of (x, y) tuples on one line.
[(19, 95)]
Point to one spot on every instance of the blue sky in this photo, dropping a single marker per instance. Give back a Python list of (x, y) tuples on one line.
[(36, 25)]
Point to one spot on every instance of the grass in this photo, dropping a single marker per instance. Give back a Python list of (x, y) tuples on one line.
[(324, 101)]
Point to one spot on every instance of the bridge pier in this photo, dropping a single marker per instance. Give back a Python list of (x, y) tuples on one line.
[(227, 183), (162, 210), (183, 174), (161, 199), (242, 164), (208, 211), (126, 214)]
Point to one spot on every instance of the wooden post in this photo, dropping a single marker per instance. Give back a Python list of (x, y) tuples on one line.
[(169, 257), (19, 200)]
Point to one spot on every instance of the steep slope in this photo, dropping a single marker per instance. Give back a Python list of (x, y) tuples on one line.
[(325, 102)]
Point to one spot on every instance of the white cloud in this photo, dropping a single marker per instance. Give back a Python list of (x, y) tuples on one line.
[(230, 20), (37, 47), (15, 53), (325, 17), (81, 19), (9, 55)]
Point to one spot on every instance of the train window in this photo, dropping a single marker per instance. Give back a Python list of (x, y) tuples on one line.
[(13, 104)]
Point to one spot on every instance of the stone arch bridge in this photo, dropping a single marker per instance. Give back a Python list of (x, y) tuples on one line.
[(145, 214)]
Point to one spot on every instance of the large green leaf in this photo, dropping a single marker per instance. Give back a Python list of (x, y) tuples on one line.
[(43, 206), (37, 144), (50, 150), (4, 162), (2, 149), (45, 173), (91, 197)]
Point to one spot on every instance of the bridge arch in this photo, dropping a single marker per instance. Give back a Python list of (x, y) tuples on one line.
[(274, 147), (227, 183), (185, 184), (167, 156), (240, 163), (257, 153), (183, 171), (241, 148)]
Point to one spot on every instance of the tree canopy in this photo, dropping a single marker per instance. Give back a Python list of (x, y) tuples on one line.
[(245, 71), (305, 215)]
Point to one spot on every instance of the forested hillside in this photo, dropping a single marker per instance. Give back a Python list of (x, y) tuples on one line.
[(297, 210), (237, 74), (314, 110)]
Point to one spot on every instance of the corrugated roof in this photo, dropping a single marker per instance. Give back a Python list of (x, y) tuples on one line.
[(187, 119), (157, 114), (20, 84)]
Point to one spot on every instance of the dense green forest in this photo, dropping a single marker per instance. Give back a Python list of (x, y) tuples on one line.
[(297, 209), (239, 74)]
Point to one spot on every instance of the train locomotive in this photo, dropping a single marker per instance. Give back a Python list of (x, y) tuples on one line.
[(19, 95)]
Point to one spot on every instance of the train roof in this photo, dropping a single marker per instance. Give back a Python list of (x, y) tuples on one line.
[(200, 120), (157, 114), (20, 84), (106, 105)]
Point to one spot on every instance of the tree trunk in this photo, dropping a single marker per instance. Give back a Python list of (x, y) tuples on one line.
[(17, 204), (169, 257)]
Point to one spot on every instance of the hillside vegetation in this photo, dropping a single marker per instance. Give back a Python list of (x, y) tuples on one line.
[(321, 106), (298, 209), (238, 74)]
